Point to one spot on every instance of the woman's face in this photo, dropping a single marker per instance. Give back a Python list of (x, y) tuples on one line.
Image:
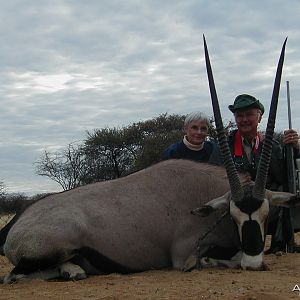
[(196, 132)]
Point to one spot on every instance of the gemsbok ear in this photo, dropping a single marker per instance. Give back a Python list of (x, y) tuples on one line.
[(203, 211), (282, 199), (221, 203)]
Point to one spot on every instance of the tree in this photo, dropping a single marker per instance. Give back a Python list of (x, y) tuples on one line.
[(13, 202), (66, 167), (109, 153), (115, 152), (2, 190), (154, 136), (212, 132)]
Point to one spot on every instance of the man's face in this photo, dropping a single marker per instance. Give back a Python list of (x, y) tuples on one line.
[(196, 132), (247, 121)]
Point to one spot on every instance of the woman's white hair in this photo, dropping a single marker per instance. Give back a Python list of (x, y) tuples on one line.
[(196, 116)]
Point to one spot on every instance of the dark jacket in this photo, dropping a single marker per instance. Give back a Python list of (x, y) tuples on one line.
[(276, 175), (209, 153), (277, 179)]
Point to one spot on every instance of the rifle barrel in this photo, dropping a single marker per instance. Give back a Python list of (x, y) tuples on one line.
[(291, 170), (289, 104)]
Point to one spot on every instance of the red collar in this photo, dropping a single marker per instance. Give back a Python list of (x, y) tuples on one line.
[(238, 146)]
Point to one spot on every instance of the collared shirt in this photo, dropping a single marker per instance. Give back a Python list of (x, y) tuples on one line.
[(248, 148)]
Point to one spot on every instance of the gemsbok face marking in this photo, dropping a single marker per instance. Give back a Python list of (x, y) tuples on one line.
[(250, 216)]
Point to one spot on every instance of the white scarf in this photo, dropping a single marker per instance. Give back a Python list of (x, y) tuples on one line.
[(191, 146)]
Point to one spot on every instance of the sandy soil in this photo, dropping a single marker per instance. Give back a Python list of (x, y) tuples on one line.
[(277, 283)]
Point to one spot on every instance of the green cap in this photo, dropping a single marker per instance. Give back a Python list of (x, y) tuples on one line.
[(246, 101)]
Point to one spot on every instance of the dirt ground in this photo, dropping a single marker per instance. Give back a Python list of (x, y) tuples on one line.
[(276, 283)]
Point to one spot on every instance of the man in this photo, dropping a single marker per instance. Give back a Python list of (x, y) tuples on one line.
[(246, 144)]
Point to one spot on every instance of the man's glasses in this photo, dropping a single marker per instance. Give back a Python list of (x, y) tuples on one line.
[(246, 114)]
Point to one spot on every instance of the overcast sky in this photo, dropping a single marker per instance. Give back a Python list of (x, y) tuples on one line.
[(72, 66)]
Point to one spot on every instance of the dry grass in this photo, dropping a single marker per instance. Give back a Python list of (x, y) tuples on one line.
[(4, 219)]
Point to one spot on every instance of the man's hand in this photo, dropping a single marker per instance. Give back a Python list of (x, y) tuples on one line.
[(291, 136)]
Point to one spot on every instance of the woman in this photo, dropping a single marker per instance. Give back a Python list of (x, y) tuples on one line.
[(194, 145)]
